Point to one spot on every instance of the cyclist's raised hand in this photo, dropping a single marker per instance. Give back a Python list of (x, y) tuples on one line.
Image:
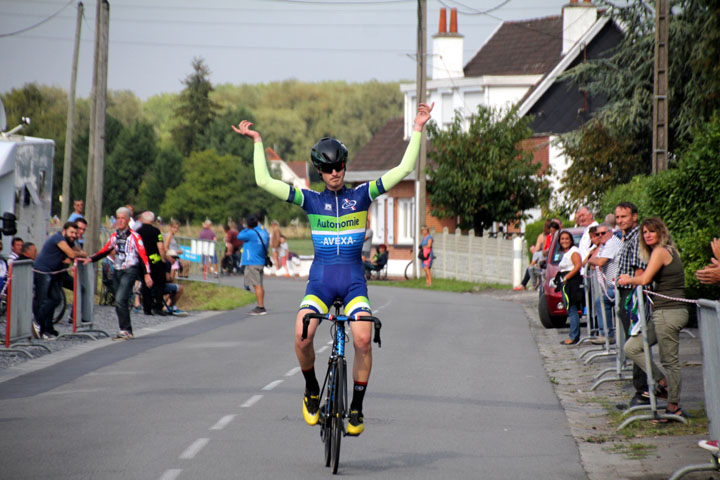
[(422, 116), (243, 128)]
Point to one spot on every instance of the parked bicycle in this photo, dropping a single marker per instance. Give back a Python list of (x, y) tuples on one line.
[(333, 395)]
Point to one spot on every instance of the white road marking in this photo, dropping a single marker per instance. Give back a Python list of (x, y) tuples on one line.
[(292, 372), (272, 385), (223, 422), (194, 449), (171, 474), (251, 401), (322, 349)]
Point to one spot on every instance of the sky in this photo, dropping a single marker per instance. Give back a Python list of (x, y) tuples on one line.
[(153, 42)]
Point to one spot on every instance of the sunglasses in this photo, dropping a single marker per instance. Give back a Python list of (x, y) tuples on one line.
[(329, 167), (597, 234)]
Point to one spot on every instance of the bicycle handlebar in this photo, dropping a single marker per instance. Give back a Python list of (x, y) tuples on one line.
[(342, 318)]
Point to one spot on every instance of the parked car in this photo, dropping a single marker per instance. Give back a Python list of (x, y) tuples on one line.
[(551, 311)]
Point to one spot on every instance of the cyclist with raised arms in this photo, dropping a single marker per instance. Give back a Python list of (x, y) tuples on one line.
[(337, 218)]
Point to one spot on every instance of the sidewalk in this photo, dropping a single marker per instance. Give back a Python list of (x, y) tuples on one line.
[(642, 450)]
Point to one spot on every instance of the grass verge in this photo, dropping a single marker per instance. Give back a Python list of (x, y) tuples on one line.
[(442, 284), (209, 296)]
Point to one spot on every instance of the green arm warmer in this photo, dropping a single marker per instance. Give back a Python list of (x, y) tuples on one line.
[(262, 176), (407, 165)]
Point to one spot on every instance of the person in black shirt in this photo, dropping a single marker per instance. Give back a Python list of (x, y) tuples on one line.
[(155, 248)]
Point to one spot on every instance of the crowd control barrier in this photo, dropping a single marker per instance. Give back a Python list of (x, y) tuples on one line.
[(82, 305), (653, 407), (597, 292), (18, 323), (709, 328)]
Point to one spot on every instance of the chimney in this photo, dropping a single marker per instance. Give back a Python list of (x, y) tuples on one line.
[(453, 20), (578, 18), (447, 58)]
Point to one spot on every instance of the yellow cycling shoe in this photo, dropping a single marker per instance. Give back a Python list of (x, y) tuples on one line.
[(356, 423), (311, 408)]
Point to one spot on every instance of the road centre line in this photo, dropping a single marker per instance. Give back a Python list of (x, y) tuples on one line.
[(194, 449), (292, 372), (272, 385), (251, 401), (223, 422), (171, 474)]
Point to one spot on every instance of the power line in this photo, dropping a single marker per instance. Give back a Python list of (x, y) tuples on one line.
[(22, 30)]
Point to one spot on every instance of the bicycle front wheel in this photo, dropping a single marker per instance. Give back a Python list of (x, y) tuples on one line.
[(337, 426), (327, 412), (60, 309), (410, 270)]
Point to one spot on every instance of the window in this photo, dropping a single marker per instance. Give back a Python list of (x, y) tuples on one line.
[(405, 221)]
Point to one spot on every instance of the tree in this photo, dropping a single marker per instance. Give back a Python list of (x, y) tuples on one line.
[(223, 140), (164, 175), (195, 110), (215, 187), (600, 161), (133, 152), (482, 176)]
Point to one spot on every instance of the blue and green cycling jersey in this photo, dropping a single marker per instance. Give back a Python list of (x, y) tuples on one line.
[(337, 220)]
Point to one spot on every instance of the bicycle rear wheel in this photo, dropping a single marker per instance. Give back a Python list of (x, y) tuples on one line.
[(337, 426), (60, 309), (410, 270)]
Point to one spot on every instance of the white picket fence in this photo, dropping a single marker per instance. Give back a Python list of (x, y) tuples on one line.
[(479, 259)]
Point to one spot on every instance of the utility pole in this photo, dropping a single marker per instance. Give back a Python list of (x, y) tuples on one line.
[(420, 95), (660, 88), (96, 157), (67, 162)]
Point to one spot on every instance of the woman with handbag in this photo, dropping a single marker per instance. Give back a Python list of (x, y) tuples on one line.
[(426, 254)]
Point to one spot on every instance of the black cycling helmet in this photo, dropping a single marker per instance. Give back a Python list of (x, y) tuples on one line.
[(329, 153)]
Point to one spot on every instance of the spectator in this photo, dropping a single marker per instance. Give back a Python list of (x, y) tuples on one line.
[(171, 244), (532, 270), (606, 260), (208, 235), (79, 208), (283, 252), (82, 226), (585, 219), (669, 316), (255, 241), (427, 253), (233, 247), (128, 250), (28, 251), (610, 221), (552, 229), (15, 246), (378, 262), (367, 242), (152, 295), (133, 223), (172, 289), (3, 268), (48, 275), (571, 280), (275, 244), (711, 273), (630, 263)]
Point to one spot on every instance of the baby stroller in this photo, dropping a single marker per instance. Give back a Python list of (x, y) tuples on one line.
[(107, 291)]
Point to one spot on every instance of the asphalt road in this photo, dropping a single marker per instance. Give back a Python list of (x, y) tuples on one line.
[(458, 391)]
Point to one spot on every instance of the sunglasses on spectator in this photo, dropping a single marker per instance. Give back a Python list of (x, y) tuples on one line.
[(329, 167), (597, 234)]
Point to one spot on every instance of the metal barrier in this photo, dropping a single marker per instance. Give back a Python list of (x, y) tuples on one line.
[(18, 324), (82, 305), (597, 293), (709, 327), (194, 250)]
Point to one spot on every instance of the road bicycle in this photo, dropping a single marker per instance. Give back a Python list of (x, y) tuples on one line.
[(333, 395)]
